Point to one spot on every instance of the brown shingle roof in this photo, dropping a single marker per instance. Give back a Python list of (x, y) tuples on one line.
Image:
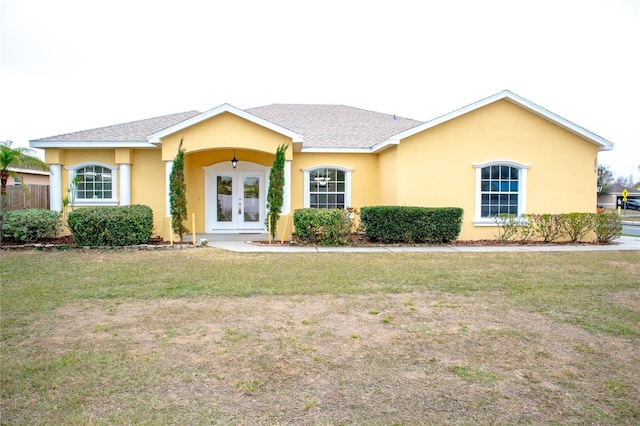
[(321, 126), (334, 126), (132, 131)]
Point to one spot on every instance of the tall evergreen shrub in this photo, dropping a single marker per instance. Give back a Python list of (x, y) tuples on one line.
[(275, 196), (178, 194)]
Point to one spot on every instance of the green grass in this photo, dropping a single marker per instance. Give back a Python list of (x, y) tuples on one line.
[(206, 336), (560, 284)]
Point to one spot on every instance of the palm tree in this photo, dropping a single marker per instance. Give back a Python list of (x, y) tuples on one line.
[(15, 158)]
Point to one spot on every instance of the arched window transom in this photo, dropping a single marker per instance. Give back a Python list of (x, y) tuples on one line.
[(93, 184)]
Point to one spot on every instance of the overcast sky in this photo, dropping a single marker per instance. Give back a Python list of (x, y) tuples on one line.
[(74, 65)]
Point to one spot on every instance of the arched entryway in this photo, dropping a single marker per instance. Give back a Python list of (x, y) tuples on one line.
[(235, 198)]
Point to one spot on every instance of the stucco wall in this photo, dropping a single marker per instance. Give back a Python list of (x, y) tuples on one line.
[(73, 157), (436, 167), (148, 184), (364, 178), (388, 176), (224, 131)]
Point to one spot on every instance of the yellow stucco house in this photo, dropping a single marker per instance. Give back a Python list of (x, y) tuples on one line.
[(500, 154)]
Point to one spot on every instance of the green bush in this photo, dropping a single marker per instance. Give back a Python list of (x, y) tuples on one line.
[(111, 226), (577, 225), (509, 225), (31, 224), (547, 226), (608, 227), (328, 227), (402, 224), (550, 227)]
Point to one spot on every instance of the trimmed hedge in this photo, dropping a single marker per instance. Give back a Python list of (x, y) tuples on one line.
[(328, 227), (111, 226), (31, 224), (402, 224)]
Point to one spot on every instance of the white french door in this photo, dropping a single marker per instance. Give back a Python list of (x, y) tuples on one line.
[(235, 199)]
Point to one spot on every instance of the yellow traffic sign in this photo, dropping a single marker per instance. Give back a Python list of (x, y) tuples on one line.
[(625, 193)]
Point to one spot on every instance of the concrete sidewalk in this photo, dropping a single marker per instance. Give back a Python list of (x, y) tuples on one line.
[(243, 243)]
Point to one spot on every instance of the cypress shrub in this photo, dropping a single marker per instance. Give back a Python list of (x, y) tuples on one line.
[(178, 194), (111, 226), (403, 224), (275, 195)]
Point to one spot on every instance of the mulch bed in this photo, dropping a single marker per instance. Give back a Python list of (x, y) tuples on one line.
[(67, 242), (462, 243)]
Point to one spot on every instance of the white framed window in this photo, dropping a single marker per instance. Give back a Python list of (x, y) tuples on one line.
[(93, 184), (501, 187), (327, 187)]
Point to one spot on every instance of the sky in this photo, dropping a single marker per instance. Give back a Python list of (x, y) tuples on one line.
[(69, 65)]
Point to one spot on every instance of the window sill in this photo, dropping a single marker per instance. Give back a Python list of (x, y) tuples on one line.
[(484, 222), (95, 202)]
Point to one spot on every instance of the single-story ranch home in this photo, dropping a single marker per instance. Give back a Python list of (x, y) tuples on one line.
[(500, 154)]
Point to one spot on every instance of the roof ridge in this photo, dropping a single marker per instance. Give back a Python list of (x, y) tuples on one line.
[(396, 116)]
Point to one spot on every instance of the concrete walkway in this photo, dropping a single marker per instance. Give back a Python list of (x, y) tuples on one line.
[(244, 243)]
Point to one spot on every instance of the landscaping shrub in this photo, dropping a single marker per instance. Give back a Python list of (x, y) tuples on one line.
[(608, 227), (509, 225), (31, 224), (577, 225), (402, 224), (111, 226), (550, 227), (329, 227), (547, 226)]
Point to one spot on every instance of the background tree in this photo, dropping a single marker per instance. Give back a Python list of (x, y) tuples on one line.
[(625, 182), (275, 196), (16, 158), (605, 178), (178, 194)]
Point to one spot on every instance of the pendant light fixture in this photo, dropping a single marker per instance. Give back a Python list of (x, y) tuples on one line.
[(234, 161)]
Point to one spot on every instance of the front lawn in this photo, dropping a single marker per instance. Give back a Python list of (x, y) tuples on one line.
[(211, 337)]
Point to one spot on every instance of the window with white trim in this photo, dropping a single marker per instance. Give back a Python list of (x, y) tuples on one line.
[(327, 187), (500, 188), (93, 184)]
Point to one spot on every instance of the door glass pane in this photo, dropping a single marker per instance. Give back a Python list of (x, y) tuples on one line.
[(225, 199), (251, 199)]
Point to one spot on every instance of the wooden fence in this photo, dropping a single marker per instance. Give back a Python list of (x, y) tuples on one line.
[(16, 198)]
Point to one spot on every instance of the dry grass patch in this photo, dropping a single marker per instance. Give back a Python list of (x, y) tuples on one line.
[(400, 340)]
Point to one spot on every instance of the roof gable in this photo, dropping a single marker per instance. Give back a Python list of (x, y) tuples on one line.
[(156, 137), (603, 144)]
